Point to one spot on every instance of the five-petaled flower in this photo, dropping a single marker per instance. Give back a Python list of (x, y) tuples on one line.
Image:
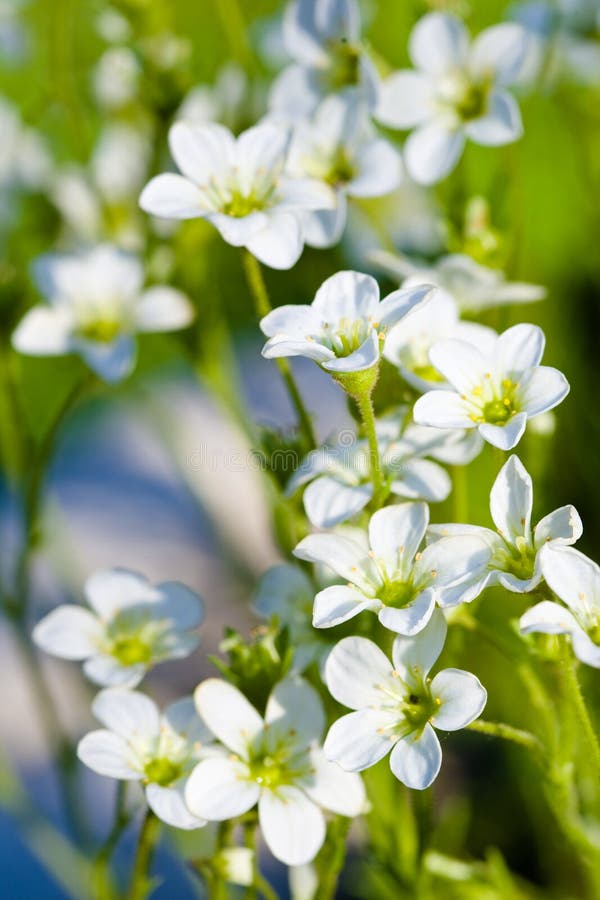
[(515, 558), (276, 762), (390, 575), (396, 707), (239, 185), (139, 744), (575, 580), (495, 392), (96, 305), (131, 626), (457, 92), (345, 327)]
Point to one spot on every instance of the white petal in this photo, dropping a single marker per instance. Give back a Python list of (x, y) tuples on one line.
[(69, 632), (219, 789), (292, 826), (412, 618), (438, 42), (460, 363), (179, 604), (396, 532), (462, 699), (355, 671), (346, 557), (499, 52), (328, 502), (332, 788), (201, 151), (454, 559), (169, 805), (278, 244), (260, 151), (294, 95), (542, 389), (360, 739), (182, 718), (239, 230), (324, 228), (432, 151), (548, 618), (405, 100), (563, 525), (127, 713), (518, 348), (163, 309), (295, 321), (108, 754), (228, 714), (112, 362), (572, 576), (363, 358), (108, 672), (294, 708), (379, 172), (421, 479), (44, 331), (280, 345), (347, 295), (172, 197), (398, 304), (507, 436), (338, 603), (308, 26), (281, 589), (585, 649), (415, 656), (108, 591), (300, 194), (416, 759), (442, 409), (511, 500), (501, 124)]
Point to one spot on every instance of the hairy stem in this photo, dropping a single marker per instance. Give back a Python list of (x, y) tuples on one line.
[(367, 414), (575, 694), (141, 882), (508, 733)]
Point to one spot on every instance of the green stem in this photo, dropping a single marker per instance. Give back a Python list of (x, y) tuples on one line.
[(141, 883), (251, 892), (460, 494), (365, 407), (574, 692), (262, 305), (508, 733), (332, 857)]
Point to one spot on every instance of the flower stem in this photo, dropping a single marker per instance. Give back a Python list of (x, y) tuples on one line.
[(262, 305), (332, 857), (575, 694), (367, 414), (508, 733), (141, 883), (251, 892)]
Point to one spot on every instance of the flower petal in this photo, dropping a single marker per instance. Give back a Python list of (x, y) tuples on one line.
[(438, 42), (405, 100), (324, 228), (112, 362), (346, 557), (461, 696), (542, 389), (294, 708), (398, 304), (360, 739), (173, 197), (69, 632), (412, 618), (507, 436), (347, 295), (279, 244), (163, 309), (585, 649), (547, 617), (396, 532), (518, 348), (169, 805), (563, 525), (127, 713), (462, 364), (501, 124), (338, 603), (280, 345), (44, 331), (201, 151), (292, 826), (108, 672), (179, 604), (366, 356), (573, 577), (183, 719), (108, 591), (421, 479), (415, 656), (295, 321), (432, 151), (328, 502), (280, 589), (379, 170), (231, 718), (499, 52), (511, 500), (416, 759), (108, 754), (442, 409), (355, 671), (219, 789), (332, 788)]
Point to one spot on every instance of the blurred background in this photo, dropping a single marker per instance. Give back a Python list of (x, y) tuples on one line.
[(158, 475)]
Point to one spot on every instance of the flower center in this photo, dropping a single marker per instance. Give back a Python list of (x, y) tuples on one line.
[(344, 66), (396, 593), (493, 408), (162, 771), (341, 168), (102, 330), (466, 98), (240, 205), (347, 337), (418, 707), (131, 650)]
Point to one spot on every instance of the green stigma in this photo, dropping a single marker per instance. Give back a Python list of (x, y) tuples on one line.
[(162, 771), (131, 650), (341, 169), (240, 205), (102, 331), (344, 68), (472, 103), (396, 593)]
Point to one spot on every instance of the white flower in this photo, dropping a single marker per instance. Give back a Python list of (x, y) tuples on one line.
[(323, 39), (276, 762), (474, 287), (120, 161), (131, 626), (339, 475), (139, 744), (340, 147), (409, 342), (240, 187), (575, 579), (96, 305), (457, 92), (397, 706), (389, 574), (344, 328), (515, 559), (226, 101), (495, 392), (116, 77)]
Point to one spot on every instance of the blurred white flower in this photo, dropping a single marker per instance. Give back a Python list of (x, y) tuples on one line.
[(457, 92), (120, 161), (96, 306), (13, 37), (515, 559), (397, 706), (340, 147), (24, 158), (409, 342), (575, 580), (390, 575), (496, 391), (130, 627), (473, 286), (116, 77), (225, 101), (139, 744), (240, 186), (323, 39), (345, 327), (276, 762), (112, 26)]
